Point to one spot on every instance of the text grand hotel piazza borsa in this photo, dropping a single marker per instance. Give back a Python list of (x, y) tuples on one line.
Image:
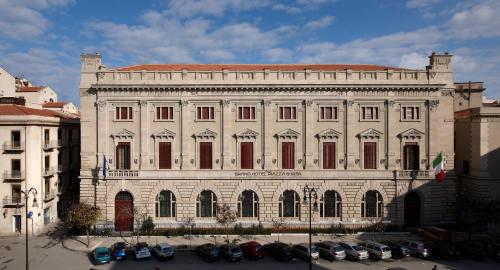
[(181, 139)]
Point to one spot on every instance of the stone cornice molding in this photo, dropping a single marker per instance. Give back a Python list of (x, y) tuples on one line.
[(328, 134), (288, 134), (411, 134), (205, 134), (123, 134), (246, 134), (370, 134), (164, 134)]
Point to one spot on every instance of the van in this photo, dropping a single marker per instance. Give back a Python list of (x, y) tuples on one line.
[(377, 251)]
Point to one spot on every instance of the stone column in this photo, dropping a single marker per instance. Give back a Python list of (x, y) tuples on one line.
[(390, 136), (267, 136), (308, 135), (185, 136), (226, 134), (143, 135), (352, 149)]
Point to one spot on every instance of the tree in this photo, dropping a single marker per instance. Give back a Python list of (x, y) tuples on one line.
[(225, 217), (84, 216), (148, 225), (279, 225)]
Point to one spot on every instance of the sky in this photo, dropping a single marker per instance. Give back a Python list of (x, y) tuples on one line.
[(42, 40)]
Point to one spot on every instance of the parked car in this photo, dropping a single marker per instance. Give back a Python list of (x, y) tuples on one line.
[(472, 250), (164, 251), (119, 251), (377, 251), (330, 251), (279, 250), (433, 233), (253, 250), (301, 251), (231, 252), (354, 251), (208, 252), (141, 251), (101, 255), (444, 250), (398, 251), (417, 248)]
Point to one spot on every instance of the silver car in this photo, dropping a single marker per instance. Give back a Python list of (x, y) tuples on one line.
[(377, 251), (164, 251), (417, 248), (330, 250), (354, 251)]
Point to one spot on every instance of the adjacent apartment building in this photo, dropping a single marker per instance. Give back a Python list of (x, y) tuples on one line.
[(477, 152), (177, 140)]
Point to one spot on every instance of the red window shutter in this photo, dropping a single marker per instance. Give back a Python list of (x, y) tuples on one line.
[(171, 113), (124, 112), (328, 155), (117, 112), (252, 116), (281, 113), (158, 115), (335, 113), (240, 112), (294, 113), (165, 155), (164, 112), (212, 115), (246, 157), (287, 155), (417, 113), (376, 113), (370, 155), (288, 113), (129, 112), (205, 155), (199, 112), (246, 112)]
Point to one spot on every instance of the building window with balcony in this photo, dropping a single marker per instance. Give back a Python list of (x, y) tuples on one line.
[(16, 194), (164, 155), (246, 155), (15, 139), (165, 204), (410, 113), (248, 204), (372, 204), (205, 113), (165, 113), (329, 155), (370, 155), (411, 156), (287, 113), (15, 167), (123, 156), (289, 204), (246, 113), (327, 113), (123, 113), (288, 155), (46, 137), (369, 113), (47, 163), (330, 204), (205, 155), (206, 204)]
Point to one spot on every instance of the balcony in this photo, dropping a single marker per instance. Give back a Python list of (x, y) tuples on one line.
[(49, 145), (122, 173), (412, 174), (13, 146), (59, 168), (48, 172), (59, 143), (49, 195), (12, 201), (13, 175)]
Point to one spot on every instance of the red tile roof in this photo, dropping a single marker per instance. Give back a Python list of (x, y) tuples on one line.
[(253, 67), (29, 89), (54, 104), (11, 109)]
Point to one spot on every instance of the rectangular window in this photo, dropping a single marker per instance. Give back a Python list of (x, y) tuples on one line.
[(46, 136), (287, 155), (123, 156), (246, 113), (205, 155), (287, 113), (370, 155), (15, 166), (164, 113), (410, 113), (411, 156), (165, 155), (47, 162), (16, 193), (123, 113), (15, 138), (246, 155), (466, 167), (369, 113), (205, 113), (328, 113), (328, 155)]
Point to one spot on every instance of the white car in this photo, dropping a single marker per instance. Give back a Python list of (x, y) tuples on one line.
[(163, 251), (354, 251), (377, 251), (141, 251)]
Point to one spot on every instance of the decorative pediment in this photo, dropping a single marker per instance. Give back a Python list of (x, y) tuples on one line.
[(206, 134), (124, 134), (246, 134), (288, 134), (164, 134), (370, 134), (329, 134), (411, 134)]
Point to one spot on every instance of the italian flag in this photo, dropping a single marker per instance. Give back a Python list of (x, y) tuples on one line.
[(438, 167)]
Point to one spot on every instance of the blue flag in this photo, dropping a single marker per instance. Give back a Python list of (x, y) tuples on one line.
[(104, 166)]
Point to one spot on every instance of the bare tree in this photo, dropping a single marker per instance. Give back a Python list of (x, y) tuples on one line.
[(279, 225), (225, 217)]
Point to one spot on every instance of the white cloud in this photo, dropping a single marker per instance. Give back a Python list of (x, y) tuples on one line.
[(420, 3), (320, 23), (479, 20), (192, 8), (414, 60), (285, 8), (278, 55)]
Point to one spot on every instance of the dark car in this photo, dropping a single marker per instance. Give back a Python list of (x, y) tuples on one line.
[(472, 250), (280, 251), (444, 250), (398, 251), (119, 251), (253, 250), (208, 252), (330, 251), (231, 252), (301, 251)]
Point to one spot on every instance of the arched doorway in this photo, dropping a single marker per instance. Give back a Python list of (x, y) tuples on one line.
[(124, 212), (412, 210)]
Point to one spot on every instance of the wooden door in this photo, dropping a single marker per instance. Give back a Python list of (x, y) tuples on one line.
[(165, 155), (370, 155), (124, 212), (205, 155), (328, 155), (123, 156), (246, 155), (288, 155)]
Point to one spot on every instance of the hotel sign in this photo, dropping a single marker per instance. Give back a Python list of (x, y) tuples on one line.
[(267, 173)]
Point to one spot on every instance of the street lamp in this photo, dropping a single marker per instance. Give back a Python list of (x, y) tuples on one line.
[(311, 194), (35, 204)]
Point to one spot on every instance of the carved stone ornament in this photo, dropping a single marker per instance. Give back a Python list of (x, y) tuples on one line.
[(184, 102), (411, 134), (370, 134), (433, 104), (164, 134), (329, 134), (247, 134), (225, 103), (391, 103), (288, 134), (266, 103), (124, 134), (206, 134), (308, 102), (100, 105), (349, 103), (447, 92), (101, 75), (143, 103)]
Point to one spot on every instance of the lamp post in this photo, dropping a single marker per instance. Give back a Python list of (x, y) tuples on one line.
[(35, 204), (311, 194)]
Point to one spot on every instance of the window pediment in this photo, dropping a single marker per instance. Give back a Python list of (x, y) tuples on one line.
[(328, 134), (123, 134), (246, 134), (206, 134), (370, 134), (288, 134), (411, 134), (164, 134)]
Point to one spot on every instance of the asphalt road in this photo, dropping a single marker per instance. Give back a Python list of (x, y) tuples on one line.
[(47, 254)]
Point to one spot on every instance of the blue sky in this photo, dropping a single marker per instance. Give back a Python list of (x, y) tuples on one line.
[(42, 39)]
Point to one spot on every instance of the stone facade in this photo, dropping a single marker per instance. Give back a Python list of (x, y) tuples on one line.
[(351, 90)]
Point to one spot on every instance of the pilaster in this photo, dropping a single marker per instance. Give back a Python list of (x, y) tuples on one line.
[(187, 114), (267, 137), (226, 135), (143, 135), (308, 125)]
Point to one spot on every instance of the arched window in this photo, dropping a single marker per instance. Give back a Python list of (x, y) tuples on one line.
[(289, 204), (248, 204), (371, 204), (330, 204), (206, 204), (165, 204)]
